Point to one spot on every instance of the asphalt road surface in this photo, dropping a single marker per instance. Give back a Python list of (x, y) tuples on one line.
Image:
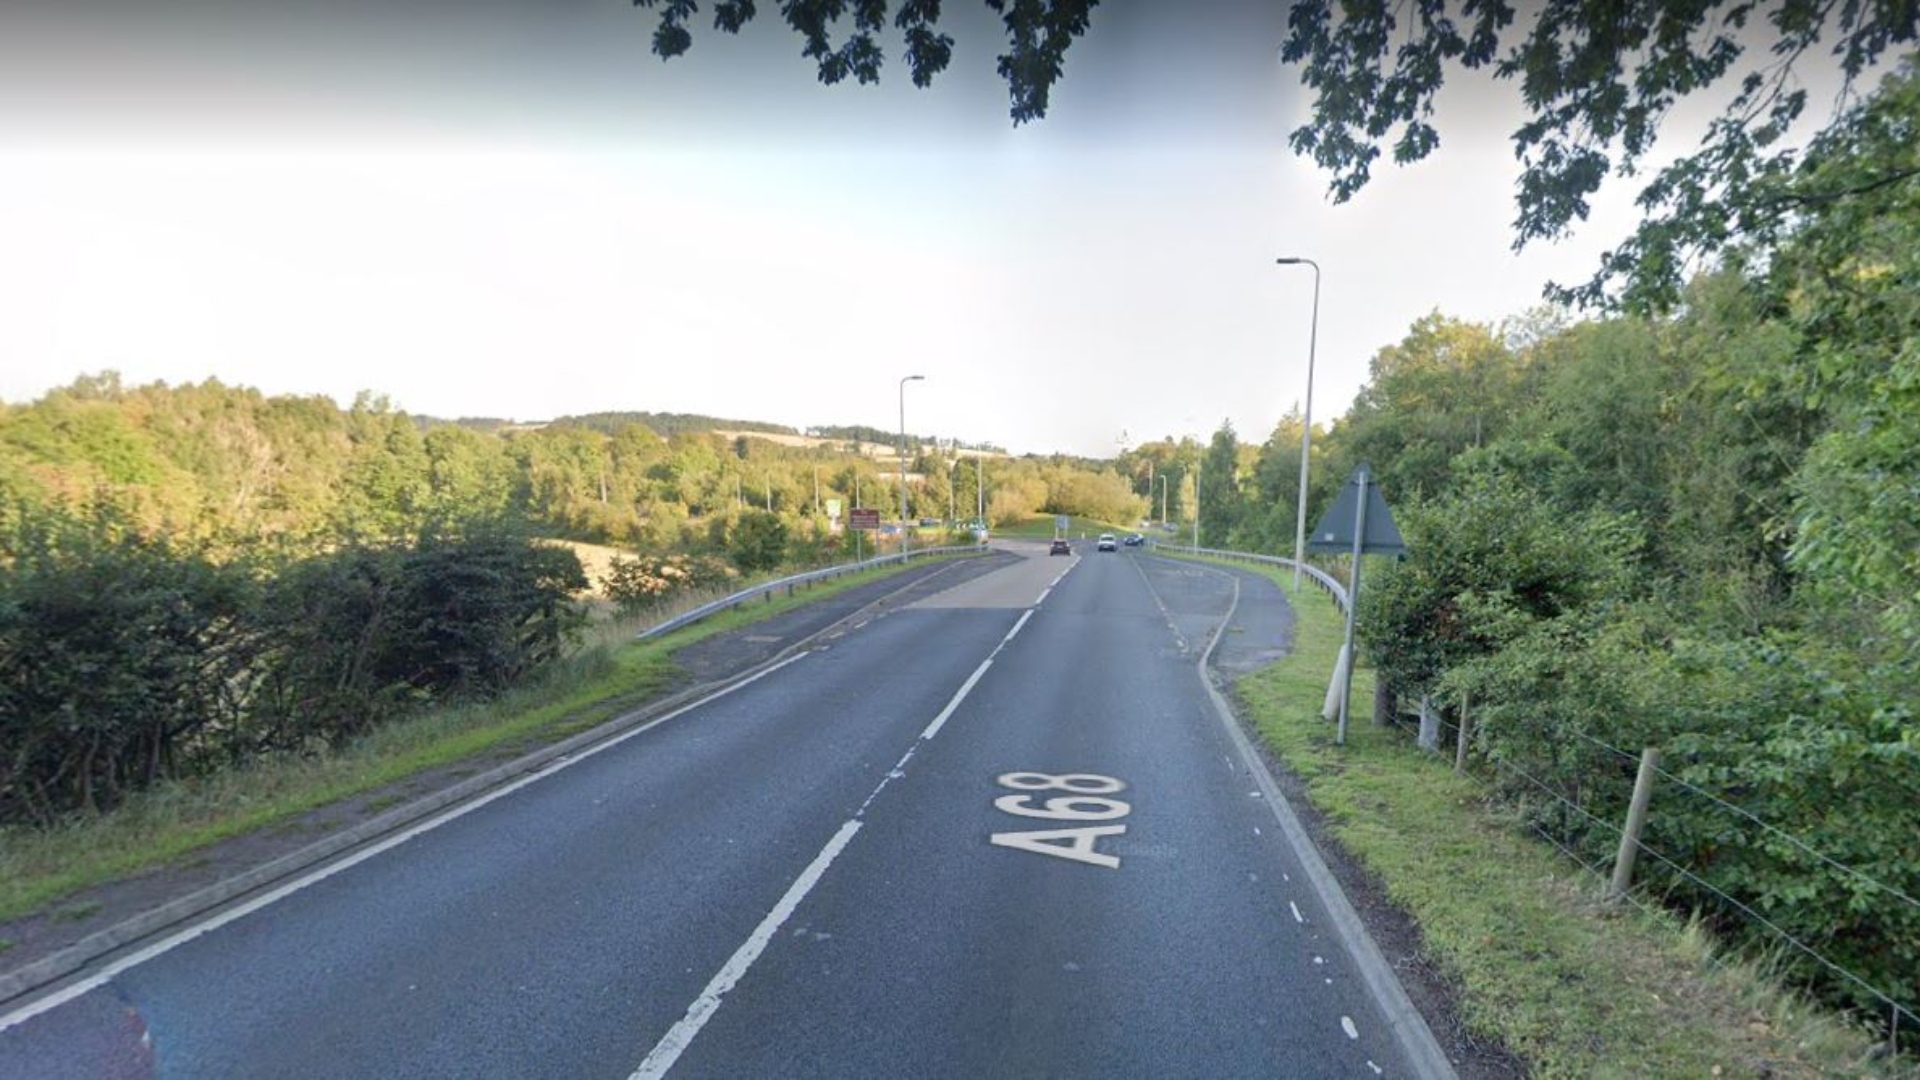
[(1001, 832)]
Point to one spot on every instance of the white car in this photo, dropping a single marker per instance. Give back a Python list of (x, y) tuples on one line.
[(1108, 543)]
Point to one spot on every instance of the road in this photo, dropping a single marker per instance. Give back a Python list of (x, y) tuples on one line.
[(1001, 832)]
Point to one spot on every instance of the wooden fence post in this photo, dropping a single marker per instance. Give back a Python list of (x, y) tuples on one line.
[(1460, 748), (1429, 725), (1636, 821)]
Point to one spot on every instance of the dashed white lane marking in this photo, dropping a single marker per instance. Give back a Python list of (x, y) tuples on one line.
[(1346, 1025), (1377, 1070), (965, 689), (899, 770), (1296, 912), (676, 1040), (131, 960)]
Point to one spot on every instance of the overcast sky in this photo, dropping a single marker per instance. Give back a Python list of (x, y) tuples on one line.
[(483, 208)]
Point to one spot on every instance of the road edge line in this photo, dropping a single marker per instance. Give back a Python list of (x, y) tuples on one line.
[(1410, 1029), (20, 987)]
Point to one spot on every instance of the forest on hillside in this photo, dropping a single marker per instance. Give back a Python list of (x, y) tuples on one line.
[(191, 576), (1696, 530), (222, 465)]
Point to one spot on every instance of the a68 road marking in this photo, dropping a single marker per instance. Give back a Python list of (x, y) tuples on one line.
[(1086, 798)]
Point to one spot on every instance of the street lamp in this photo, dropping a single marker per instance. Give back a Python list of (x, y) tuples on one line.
[(1163, 500), (903, 457), (1306, 423), (980, 489)]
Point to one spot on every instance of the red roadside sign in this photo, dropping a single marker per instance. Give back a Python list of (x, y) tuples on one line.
[(865, 520)]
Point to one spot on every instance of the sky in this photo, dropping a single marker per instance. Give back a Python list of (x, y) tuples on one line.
[(515, 210)]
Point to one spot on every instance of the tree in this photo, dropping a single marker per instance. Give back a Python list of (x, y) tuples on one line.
[(1446, 387), (1597, 78), (1219, 494), (757, 541), (1038, 35)]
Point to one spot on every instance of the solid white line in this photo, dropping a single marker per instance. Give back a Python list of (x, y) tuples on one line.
[(1024, 616), (167, 944), (676, 1040), (965, 689), (1042, 598)]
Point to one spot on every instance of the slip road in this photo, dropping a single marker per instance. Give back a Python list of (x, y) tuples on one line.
[(998, 833)]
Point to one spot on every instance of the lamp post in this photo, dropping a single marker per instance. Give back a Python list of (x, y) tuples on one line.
[(903, 458), (1306, 422), (1163, 500)]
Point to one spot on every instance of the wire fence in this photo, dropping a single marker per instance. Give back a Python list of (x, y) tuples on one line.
[(1768, 827), (1900, 1014)]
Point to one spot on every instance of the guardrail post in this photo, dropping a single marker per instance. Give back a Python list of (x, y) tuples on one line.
[(1636, 822)]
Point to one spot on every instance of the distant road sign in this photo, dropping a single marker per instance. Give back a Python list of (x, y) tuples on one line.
[(1062, 523), (833, 509), (863, 519)]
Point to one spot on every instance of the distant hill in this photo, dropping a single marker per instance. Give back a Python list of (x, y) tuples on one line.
[(666, 424)]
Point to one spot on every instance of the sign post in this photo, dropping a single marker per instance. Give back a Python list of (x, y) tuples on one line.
[(861, 520), (1359, 523)]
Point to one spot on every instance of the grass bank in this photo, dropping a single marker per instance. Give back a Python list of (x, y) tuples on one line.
[(611, 675), (1041, 527), (1574, 986)]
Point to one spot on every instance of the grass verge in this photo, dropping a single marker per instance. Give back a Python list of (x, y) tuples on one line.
[(1572, 985), (611, 675), (1041, 527)]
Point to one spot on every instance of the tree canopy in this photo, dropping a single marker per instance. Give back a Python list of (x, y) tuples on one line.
[(1038, 35), (1597, 79)]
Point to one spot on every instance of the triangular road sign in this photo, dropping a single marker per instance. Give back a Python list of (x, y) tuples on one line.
[(1334, 534)]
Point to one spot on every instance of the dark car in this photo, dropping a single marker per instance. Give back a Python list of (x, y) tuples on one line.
[(1059, 548), (1134, 540)]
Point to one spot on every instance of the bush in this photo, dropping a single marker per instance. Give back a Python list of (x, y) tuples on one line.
[(638, 583), (367, 631), (757, 541), (125, 660), (121, 661)]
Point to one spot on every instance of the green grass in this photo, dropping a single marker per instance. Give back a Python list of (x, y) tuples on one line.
[(1574, 986), (1040, 527), (611, 675)]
